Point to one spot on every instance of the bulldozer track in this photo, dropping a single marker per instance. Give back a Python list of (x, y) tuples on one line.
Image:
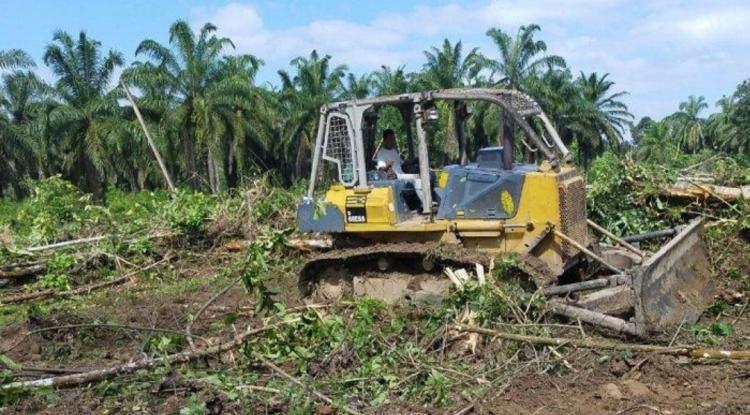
[(412, 254)]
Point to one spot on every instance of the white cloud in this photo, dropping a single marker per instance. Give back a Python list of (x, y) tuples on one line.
[(389, 38), (660, 51), (361, 45), (698, 26)]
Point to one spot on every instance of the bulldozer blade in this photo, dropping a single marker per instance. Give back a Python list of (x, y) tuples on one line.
[(674, 285)]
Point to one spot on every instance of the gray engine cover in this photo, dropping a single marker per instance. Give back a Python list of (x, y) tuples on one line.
[(476, 192)]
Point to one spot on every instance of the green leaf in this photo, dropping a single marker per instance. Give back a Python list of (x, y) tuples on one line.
[(9, 363)]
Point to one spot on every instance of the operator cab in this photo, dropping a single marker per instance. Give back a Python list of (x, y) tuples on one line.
[(344, 166)]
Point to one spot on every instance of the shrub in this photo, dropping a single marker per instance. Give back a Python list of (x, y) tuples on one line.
[(57, 210), (189, 210)]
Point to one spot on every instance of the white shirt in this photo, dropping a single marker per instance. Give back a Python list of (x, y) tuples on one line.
[(386, 155)]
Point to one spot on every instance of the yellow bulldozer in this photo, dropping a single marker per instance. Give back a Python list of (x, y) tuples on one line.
[(394, 232)]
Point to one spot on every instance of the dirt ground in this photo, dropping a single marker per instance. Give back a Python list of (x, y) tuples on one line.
[(593, 382)]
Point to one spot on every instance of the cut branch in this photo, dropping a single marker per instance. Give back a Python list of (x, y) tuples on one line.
[(39, 295), (103, 325), (299, 383), (149, 363), (189, 328), (22, 272), (690, 351)]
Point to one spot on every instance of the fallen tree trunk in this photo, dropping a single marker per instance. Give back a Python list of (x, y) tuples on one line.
[(26, 264), (39, 295), (22, 272), (687, 187), (690, 351), (593, 317)]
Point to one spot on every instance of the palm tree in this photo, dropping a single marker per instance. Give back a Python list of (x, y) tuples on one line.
[(200, 91), (521, 58), (313, 84), (15, 58), (388, 81), (15, 151), (656, 144), (25, 101), (251, 128), (690, 130), (446, 67), (602, 118), (560, 97), (357, 87), (86, 107), (739, 119)]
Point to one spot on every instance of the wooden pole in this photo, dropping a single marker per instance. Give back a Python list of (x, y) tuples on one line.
[(587, 251), (610, 281), (594, 317), (150, 140), (615, 238)]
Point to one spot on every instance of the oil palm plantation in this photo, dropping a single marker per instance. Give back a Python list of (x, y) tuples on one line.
[(86, 107), (201, 92), (313, 83), (447, 67)]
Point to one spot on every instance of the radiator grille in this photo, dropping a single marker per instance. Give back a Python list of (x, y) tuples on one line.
[(338, 147), (573, 213)]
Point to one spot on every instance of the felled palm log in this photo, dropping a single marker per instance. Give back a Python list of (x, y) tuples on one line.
[(691, 188)]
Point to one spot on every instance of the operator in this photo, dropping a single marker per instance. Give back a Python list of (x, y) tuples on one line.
[(387, 156)]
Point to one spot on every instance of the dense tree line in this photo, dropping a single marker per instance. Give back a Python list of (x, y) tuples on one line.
[(215, 126)]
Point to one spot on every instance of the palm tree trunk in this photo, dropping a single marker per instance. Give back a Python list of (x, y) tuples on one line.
[(91, 176), (216, 172), (302, 155), (189, 149), (211, 163)]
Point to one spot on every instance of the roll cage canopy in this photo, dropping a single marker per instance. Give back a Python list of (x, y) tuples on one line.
[(345, 125)]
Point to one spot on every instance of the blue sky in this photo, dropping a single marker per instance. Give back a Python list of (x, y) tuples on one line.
[(660, 51)]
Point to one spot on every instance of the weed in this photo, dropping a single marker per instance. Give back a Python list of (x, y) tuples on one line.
[(195, 406), (56, 277), (709, 333), (163, 344), (253, 271), (188, 211), (717, 307), (436, 388)]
